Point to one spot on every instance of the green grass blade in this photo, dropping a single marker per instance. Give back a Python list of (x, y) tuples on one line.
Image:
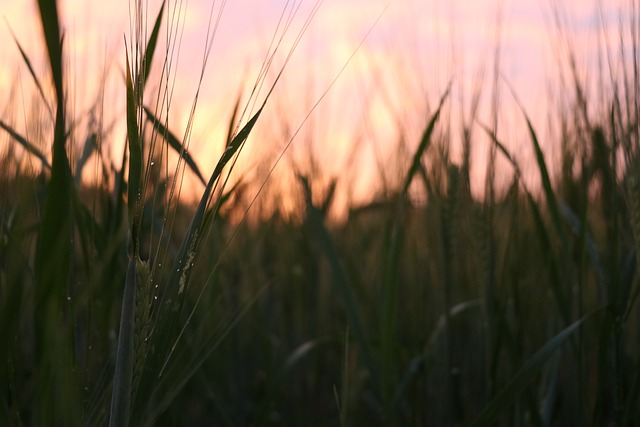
[(631, 404), (579, 229), (121, 398), (55, 375), (212, 212), (425, 141), (624, 296), (50, 24), (184, 372), (88, 149), (141, 78), (341, 283), (418, 363), (439, 330), (502, 149), (134, 198), (554, 270), (276, 385), (526, 374), (182, 270), (392, 257), (26, 60), (123, 377), (174, 143), (54, 246), (552, 201), (29, 147), (543, 236), (550, 196), (171, 300), (232, 122), (234, 146)]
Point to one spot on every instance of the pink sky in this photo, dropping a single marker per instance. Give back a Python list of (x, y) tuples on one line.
[(399, 72)]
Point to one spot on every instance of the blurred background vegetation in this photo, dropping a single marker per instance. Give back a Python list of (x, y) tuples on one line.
[(431, 305)]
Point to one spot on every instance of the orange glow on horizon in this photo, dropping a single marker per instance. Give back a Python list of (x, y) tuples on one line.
[(387, 91)]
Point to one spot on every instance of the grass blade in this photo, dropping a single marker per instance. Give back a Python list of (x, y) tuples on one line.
[(186, 371), (143, 75), (424, 142), (88, 149), (50, 24), (55, 375), (123, 377), (543, 236), (174, 143), (232, 122), (526, 374), (182, 271), (341, 283), (552, 201), (392, 258), (550, 196), (134, 198), (26, 60), (29, 147), (164, 335), (502, 149)]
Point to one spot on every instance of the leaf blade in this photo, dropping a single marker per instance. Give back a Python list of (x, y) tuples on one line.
[(175, 143), (425, 141), (135, 159), (527, 373), (29, 147)]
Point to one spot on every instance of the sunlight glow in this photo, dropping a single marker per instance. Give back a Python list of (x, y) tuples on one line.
[(400, 71)]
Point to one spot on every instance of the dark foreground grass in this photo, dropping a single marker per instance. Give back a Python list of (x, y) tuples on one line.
[(121, 305)]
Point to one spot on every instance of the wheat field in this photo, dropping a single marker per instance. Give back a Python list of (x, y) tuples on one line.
[(123, 303)]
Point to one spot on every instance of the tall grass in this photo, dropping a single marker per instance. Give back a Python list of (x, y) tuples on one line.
[(82, 258), (121, 304)]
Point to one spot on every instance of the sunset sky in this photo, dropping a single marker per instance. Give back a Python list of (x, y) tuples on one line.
[(394, 80)]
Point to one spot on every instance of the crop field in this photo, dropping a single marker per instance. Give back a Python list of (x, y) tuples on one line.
[(124, 302)]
